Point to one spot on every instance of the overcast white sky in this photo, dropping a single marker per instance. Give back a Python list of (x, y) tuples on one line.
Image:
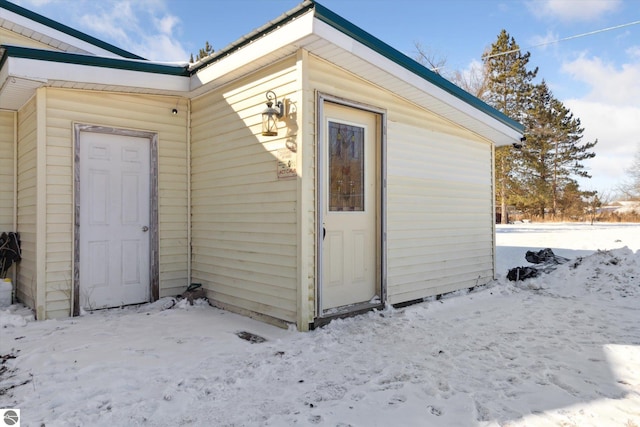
[(597, 75)]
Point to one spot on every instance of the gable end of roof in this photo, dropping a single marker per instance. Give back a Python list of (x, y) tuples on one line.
[(339, 23), (254, 35), (4, 4)]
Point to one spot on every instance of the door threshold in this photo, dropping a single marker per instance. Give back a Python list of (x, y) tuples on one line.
[(346, 311)]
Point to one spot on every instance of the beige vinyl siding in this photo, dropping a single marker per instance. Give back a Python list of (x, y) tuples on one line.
[(139, 112), (27, 204), (243, 217), (439, 192), (7, 157), (439, 206)]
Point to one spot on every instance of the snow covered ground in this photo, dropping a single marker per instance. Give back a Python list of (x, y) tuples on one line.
[(559, 350)]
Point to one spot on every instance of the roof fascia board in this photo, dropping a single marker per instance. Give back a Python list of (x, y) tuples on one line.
[(77, 59), (40, 70), (277, 39), (332, 19), (61, 32), (255, 35), (343, 40)]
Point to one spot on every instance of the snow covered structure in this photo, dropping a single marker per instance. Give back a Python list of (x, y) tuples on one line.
[(621, 207), (129, 179)]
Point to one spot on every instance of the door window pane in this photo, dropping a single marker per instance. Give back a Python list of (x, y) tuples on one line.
[(346, 167)]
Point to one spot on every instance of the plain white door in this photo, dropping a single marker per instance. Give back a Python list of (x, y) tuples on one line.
[(350, 246), (114, 220)]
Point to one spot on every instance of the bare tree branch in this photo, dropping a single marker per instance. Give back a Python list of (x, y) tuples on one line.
[(429, 59)]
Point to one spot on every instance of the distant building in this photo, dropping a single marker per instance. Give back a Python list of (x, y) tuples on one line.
[(621, 207)]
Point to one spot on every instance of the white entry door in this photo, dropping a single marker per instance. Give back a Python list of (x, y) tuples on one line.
[(114, 220), (350, 246)]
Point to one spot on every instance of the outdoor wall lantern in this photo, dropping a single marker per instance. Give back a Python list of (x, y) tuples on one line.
[(271, 114)]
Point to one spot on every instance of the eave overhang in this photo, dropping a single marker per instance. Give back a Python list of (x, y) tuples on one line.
[(22, 70), (326, 35), (309, 26)]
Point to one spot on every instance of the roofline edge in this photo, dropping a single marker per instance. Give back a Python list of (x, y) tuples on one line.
[(91, 60), (12, 7), (256, 34), (341, 24)]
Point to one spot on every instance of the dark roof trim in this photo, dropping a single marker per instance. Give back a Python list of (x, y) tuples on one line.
[(95, 61), (4, 4), (358, 34), (3, 56)]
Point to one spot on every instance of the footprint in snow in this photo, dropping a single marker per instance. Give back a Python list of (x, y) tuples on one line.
[(434, 411), (357, 396), (397, 399), (315, 419), (443, 386)]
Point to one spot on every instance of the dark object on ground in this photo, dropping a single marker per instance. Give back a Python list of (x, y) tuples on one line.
[(8, 380), (545, 258), (251, 337), (193, 292), (9, 251), (521, 273)]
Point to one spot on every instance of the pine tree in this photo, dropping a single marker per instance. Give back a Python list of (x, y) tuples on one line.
[(573, 202), (508, 89), (552, 156), (202, 53)]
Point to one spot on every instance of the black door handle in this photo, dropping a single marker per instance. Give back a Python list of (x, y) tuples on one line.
[(324, 232)]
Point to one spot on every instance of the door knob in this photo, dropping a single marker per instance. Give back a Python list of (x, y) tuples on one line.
[(145, 228)]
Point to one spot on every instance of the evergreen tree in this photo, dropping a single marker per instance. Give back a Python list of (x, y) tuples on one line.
[(572, 203), (508, 89), (552, 156), (593, 203), (202, 53)]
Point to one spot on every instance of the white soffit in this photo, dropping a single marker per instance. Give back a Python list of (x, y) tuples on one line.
[(268, 49), (21, 75), (15, 92), (46, 70), (325, 41), (387, 74)]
